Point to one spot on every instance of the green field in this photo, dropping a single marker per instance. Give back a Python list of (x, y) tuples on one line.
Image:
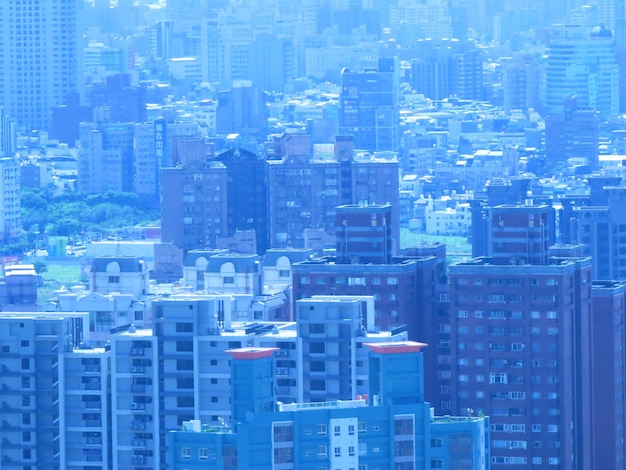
[(55, 277)]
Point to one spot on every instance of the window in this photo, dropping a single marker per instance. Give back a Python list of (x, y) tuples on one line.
[(436, 442), (337, 452), (351, 430), (351, 451), (553, 428), (283, 273), (321, 451), (321, 430), (356, 281), (229, 279), (185, 452), (337, 430), (362, 426), (305, 280), (114, 279), (392, 281), (498, 378), (203, 453)]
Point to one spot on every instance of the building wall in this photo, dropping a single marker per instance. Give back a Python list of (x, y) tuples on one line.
[(519, 338)]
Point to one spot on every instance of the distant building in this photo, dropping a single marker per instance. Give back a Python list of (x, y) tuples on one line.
[(106, 157), (447, 68), (365, 234), (241, 109), (51, 43), (10, 215), (186, 218), (581, 61), (305, 188), (572, 132), (391, 426), (370, 106), (246, 194), (598, 223), (18, 288)]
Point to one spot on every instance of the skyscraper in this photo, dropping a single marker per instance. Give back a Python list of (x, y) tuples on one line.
[(40, 63)]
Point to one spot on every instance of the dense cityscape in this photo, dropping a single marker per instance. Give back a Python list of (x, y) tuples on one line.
[(312, 234)]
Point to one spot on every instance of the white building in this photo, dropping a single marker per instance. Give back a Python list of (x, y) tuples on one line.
[(448, 217), (40, 57)]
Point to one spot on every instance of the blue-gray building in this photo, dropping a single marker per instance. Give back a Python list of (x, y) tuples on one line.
[(391, 427)]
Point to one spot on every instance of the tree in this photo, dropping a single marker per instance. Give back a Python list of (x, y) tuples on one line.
[(40, 268)]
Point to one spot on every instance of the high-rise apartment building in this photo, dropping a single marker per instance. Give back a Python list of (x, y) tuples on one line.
[(193, 205), (40, 57), (572, 132), (516, 355), (598, 223), (179, 370), (305, 188), (447, 67), (392, 427), (519, 324), (54, 393), (370, 108), (582, 62), (10, 214), (106, 157), (247, 191)]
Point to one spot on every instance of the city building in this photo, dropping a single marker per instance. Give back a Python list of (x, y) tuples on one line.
[(572, 132), (247, 191), (305, 187), (187, 219), (41, 58), (55, 390), (365, 234), (390, 426), (447, 67), (598, 223), (10, 187), (190, 334), (370, 108), (18, 287), (241, 109), (581, 61), (607, 368), (106, 157), (517, 355)]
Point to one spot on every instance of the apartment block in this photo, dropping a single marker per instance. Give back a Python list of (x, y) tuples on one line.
[(190, 335), (305, 186), (518, 345), (392, 425), (54, 391)]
